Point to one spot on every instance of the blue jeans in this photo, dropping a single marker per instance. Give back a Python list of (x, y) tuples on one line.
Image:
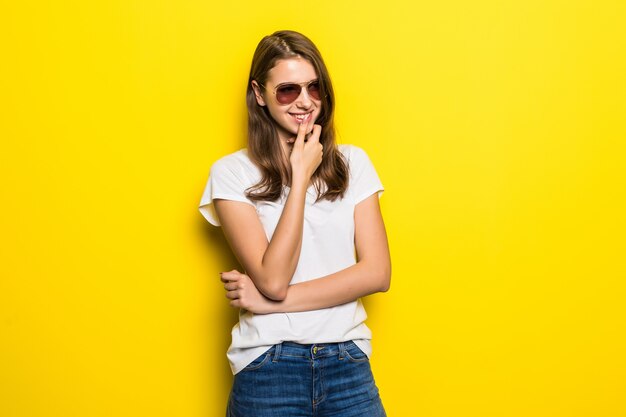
[(294, 380)]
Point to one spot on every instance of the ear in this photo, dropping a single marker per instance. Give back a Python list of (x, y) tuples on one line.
[(257, 93)]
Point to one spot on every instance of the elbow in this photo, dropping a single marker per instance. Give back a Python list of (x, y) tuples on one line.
[(385, 283), (276, 292), (379, 276), (384, 279), (271, 286)]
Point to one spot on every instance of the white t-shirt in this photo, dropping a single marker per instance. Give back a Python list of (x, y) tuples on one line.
[(327, 247)]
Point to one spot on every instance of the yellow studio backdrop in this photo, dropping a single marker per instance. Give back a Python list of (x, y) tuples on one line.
[(497, 128)]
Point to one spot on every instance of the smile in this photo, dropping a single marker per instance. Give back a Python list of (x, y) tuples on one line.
[(301, 117)]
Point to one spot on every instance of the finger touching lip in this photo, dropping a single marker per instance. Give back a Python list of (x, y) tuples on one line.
[(302, 118)]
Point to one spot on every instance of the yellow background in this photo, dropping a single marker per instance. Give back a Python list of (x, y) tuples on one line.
[(497, 128)]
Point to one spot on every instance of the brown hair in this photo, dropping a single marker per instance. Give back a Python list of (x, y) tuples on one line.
[(264, 149)]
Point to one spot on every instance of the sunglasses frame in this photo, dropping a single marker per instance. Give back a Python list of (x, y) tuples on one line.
[(301, 85)]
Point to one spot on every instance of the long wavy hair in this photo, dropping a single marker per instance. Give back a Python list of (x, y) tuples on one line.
[(264, 149)]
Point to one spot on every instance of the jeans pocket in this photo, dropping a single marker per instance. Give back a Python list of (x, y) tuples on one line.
[(259, 361), (354, 353)]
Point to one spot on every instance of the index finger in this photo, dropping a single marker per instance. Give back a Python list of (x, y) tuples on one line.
[(301, 135), (229, 276)]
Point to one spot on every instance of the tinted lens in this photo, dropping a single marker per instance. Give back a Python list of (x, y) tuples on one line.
[(287, 93), (314, 90)]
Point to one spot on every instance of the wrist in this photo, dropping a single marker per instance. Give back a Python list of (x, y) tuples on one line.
[(271, 306), (299, 182)]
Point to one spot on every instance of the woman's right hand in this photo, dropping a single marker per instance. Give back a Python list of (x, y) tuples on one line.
[(306, 156), (242, 292)]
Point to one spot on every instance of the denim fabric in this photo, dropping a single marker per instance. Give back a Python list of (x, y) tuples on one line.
[(294, 380)]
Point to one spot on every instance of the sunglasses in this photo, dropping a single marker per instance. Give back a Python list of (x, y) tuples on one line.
[(287, 93)]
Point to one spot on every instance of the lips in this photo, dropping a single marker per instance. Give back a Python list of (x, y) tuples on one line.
[(301, 117)]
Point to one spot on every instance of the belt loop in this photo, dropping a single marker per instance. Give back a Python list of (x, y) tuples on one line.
[(277, 352), (342, 350)]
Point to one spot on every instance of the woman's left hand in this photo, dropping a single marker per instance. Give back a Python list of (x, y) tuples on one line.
[(243, 293)]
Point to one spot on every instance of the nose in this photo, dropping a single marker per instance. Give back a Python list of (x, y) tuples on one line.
[(304, 100)]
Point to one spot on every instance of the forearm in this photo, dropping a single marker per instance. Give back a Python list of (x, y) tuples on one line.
[(283, 251), (342, 287), (271, 265)]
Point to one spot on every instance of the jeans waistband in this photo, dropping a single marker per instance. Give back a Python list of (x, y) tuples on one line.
[(309, 351)]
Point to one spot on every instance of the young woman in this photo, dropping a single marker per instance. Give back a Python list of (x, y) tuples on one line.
[(295, 208)]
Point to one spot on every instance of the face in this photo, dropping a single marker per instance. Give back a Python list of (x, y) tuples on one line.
[(304, 109)]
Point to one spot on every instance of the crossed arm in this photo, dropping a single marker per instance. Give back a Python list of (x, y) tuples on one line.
[(243, 229), (270, 265)]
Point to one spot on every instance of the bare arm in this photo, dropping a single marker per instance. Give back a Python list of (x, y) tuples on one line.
[(371, 273), (272, 264)]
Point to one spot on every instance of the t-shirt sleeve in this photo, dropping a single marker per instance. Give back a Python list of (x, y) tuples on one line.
[(363, 176), (226, 181)]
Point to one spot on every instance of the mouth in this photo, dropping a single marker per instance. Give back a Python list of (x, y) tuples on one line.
[(301, 117)]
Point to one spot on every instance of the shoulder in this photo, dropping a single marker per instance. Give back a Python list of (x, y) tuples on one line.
[(236, 159), (355, 156), (364, 180), (352, 152), (229, 178), (237, 163)]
